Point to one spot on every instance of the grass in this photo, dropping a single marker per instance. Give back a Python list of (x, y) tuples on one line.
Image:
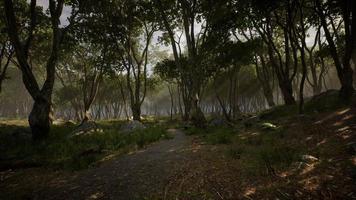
[(219, 136), (269, 143), (74, 153), (279, 112), (261, 150), (212, 135), (325, 102), (256, 148)]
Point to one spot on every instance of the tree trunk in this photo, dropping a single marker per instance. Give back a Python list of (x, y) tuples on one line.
[(344, 70), (86, 116), (287, 92), (197, 115), (136, 112), (179, 102), (268, 95), (172, 101), (40, 118), (347, 88), (304, 75), (263, 76)]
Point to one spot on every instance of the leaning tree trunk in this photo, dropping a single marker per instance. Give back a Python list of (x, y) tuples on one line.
[(40, 118)]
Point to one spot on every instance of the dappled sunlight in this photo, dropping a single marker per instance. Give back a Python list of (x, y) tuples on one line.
[(322, 142), (310, 183), (334, 115), (325, 118), (137, 151), (345, 134), (286, 174), (249, 191), (343, 111), (309, 138), (308, 168), (255, 134), (97, 195), (13, 122), (348, 117), (194, 148), (343, 129), (246, 135), (172, 130), (171, 150), (109, 157), (353, 160), (338, 123)]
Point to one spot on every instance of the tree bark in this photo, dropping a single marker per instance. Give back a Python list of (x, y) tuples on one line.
[(170, 90), (263, 76), (136, 112), (39, 118)]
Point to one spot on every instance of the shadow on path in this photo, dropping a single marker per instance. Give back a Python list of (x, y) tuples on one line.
[(131, 176)]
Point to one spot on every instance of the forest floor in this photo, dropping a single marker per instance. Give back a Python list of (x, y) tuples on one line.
[(304, 157)]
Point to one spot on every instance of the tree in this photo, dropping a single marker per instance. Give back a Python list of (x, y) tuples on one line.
[(6, 49), (39, 118), (84, 68), (187, 14), (6, 54), (342, 55)]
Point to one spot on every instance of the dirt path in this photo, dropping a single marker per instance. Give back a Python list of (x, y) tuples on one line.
[(131, 176)]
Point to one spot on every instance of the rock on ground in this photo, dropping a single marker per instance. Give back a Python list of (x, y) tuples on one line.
[(218, 121), (86, 127), (61, 122), (309, 159), (132, 126)]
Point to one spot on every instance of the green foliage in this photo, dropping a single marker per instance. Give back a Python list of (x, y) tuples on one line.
[(263, 149), (167, 69), (219, 136), (326, 101), (216, 135), (281, 155), (194, 131), (74, 153)]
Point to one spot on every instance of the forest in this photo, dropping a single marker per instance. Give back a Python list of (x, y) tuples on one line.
[(177, 99)]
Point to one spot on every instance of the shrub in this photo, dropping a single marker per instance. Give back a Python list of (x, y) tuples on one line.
[(74, 153)]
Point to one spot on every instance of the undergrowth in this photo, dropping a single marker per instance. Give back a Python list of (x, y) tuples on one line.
[(60, 151)]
